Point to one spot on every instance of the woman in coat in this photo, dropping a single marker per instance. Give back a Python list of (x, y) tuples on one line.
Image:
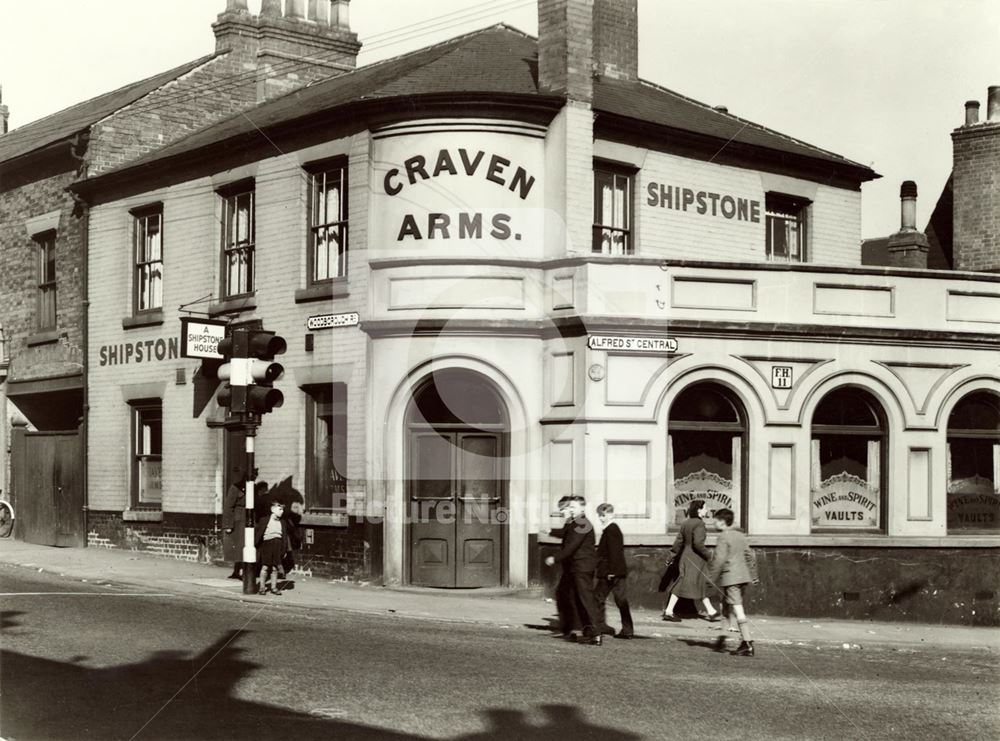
[(693, 566)]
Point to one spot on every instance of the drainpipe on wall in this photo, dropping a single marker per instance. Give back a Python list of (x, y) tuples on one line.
[(78, 150), (4, 447)]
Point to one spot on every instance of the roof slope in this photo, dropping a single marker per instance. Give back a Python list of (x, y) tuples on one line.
[(499, 60), (70, 121), (644, 101)]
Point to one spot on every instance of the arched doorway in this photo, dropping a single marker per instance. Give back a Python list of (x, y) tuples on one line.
[(848, 453), (457, 430), (974, 463), (706, 448)]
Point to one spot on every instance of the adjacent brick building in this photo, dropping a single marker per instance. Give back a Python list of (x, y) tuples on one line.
[(43, 229)]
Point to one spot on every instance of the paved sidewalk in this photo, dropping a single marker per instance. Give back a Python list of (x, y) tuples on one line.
[(504, 608)]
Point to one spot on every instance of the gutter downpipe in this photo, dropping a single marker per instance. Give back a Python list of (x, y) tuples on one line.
[(82, 140)]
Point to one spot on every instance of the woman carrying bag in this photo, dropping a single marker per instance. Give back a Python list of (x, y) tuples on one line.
[(687, 568)]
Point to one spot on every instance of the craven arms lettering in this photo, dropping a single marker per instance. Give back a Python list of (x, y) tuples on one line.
[(493, 167)]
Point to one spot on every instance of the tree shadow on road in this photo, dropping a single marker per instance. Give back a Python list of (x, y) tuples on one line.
[(176, 695)]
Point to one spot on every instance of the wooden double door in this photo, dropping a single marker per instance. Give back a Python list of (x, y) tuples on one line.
[(457, 506), (47, 476)]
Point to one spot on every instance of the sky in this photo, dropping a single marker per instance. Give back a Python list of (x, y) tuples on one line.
[(881, 82)]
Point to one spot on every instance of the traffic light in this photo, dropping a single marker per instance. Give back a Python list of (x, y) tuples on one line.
[(249, 371), (232, 371), (262, 372)]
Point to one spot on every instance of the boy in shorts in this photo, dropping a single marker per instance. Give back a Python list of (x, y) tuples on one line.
[(730, 571)]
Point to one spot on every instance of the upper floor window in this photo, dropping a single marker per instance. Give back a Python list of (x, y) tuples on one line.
[(612, 210), (148, 235), (786, 227), (46, 307), (238, 240), (328, 221)]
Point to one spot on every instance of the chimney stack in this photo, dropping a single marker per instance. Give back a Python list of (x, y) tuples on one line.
[(616, 39), (289, 46), (908, 247), (976, 192), (4, 114), (579, 40)]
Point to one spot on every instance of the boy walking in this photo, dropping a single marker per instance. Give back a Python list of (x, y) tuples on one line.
[(729, 570), (579, 553), (565, 599), (612, 572)]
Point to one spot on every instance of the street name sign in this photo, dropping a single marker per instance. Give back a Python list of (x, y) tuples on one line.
[(654, 345), (328, 321)]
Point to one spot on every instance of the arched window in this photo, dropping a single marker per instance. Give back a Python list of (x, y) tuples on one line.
[(848, 455), (706, 444), (974, 463)]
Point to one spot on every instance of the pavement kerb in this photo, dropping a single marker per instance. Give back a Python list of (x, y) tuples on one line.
[(508, 609)]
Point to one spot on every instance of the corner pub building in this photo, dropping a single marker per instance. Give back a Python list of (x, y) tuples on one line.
[(508, 270)]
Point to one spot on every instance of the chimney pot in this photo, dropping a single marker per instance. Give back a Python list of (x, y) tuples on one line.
[(908, 247), (971, 112), (721, 108), (270, 8), (318, 10), (295, 9), (993, 103), (908, 206), (339, 14), (237, 6)]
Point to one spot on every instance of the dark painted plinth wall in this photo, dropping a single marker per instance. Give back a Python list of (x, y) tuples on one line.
[(934, 585), (336, 552)]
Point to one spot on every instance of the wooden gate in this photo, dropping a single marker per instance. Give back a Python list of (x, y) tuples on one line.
[(47, 475)]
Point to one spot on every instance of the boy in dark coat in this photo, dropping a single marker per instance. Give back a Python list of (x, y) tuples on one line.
[(612, 572), (579, 552), (569, 621)]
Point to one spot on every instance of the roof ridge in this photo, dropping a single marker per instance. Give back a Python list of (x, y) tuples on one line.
[(749, 123), (454, 40)]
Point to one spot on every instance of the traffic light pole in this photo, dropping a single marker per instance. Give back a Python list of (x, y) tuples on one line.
[(249, 549)]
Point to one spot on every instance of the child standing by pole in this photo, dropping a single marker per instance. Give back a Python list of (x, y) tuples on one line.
[(270, 536), (730, 571)]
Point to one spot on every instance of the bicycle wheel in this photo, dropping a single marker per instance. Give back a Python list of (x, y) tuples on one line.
[(6, 519)]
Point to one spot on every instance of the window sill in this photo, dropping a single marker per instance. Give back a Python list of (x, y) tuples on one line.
[(147, 319), (337, 288), (142, 515), (233, 305), (42, 338), (326, 519)]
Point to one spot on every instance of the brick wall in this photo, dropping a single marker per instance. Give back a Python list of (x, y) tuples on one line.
[(934, 585), (21, 200), (976, 190), (336, 553)]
